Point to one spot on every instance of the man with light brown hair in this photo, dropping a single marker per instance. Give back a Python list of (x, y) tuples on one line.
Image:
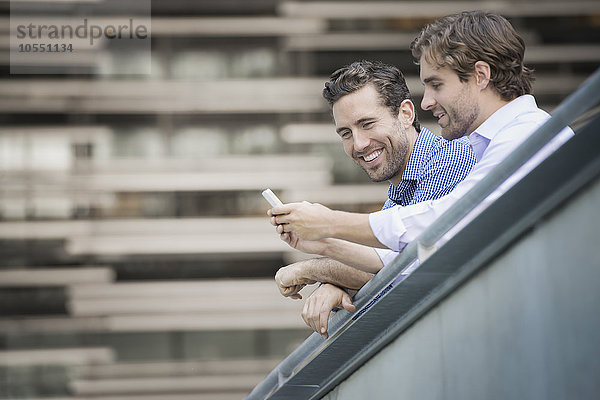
[(471, 65), (469, 45)]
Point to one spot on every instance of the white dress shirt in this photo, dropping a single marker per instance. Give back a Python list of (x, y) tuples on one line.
[(492, 142)]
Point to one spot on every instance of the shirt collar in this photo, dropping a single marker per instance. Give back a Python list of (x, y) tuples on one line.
[(504, 115), (415, 161)]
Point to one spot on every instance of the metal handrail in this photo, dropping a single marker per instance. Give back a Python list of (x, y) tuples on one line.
[(583, 99)]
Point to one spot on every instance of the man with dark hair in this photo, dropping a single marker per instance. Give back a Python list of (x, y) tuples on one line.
[(471, 65), (376, 121)]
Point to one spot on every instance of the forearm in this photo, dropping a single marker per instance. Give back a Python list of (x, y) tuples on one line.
[(315, 221), (354, 228), (332, 271), (355, 255)]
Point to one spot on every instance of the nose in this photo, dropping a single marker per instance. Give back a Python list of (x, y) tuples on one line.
[(428, 102), (361, 141)]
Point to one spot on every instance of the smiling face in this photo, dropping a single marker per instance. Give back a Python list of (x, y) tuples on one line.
[(453, 103), (374, 138)]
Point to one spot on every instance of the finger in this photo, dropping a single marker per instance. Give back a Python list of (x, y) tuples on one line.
[(273, 221), (291, 290), (282, 290), (347, 303), (304, 313), (323, 320), (280, 229), (311, 316), (285, 237), (281, 219), (296, 296), (286, 291), (283, 209), (269, 212)]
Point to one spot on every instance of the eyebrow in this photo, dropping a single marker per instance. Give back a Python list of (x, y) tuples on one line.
[(430, 79), (365, 119)]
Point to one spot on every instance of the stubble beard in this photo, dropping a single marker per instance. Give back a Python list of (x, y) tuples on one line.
[(394, 158), (461, 118)]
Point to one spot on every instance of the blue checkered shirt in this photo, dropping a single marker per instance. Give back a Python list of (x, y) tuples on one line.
[(435, 167)]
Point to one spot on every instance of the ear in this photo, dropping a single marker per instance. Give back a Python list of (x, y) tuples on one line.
[(406, 113), (482, 74)]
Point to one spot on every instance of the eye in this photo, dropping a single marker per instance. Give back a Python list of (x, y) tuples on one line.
[(368, 124), (345, 134), (436, 86)]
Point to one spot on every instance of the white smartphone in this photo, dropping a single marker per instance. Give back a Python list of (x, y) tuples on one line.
[(271, 198)]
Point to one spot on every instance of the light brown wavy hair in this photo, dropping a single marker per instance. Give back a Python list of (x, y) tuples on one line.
[(458, 41)]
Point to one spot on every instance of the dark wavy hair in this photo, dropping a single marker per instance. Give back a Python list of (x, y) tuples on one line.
[(387, 79), (458, 41)]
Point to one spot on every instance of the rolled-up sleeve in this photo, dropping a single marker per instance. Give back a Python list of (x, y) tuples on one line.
[(386, 255), (397, 226), (387, 227)]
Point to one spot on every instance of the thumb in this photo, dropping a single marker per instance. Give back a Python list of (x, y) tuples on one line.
[(347, 303), (289, 291)]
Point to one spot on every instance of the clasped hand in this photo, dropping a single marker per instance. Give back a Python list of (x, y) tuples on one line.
[(317, 308), (290, 281)]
